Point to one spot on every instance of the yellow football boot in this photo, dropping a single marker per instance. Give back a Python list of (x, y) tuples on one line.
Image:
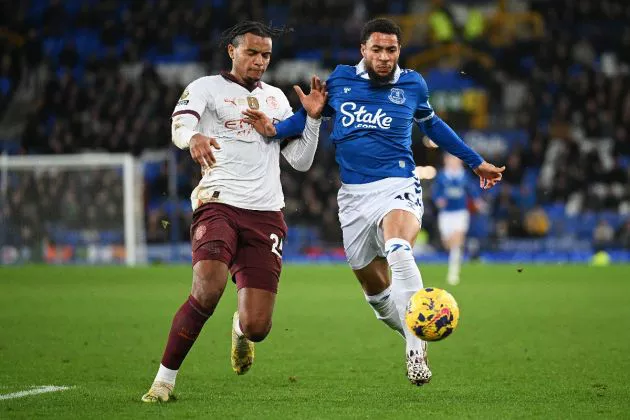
[(159, 392), (242, 350)]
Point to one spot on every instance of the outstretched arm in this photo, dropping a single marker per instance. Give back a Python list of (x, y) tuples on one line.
[(292, 126), (301, 151), (295, 124), (444, 136)]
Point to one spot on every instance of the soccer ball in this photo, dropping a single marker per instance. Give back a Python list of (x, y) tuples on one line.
[(432, 314)]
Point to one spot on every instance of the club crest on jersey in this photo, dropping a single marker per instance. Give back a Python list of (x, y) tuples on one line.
[(397, 96), (272, 102), (252, 102)]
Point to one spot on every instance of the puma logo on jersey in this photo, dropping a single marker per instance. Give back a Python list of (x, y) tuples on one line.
[(346, 90), (363, 118)]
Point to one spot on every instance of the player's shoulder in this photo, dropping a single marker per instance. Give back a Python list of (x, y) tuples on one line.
[(343, 71), (206, 82), (273, 91), (271, 88), (412, 76)]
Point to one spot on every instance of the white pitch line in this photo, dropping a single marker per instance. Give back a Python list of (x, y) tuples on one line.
[(34, 391)]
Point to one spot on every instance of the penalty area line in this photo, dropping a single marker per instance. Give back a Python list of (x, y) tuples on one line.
[(34, 391)]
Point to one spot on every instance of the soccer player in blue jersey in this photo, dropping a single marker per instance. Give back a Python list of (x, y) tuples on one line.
[(451, 191), (374, 106)]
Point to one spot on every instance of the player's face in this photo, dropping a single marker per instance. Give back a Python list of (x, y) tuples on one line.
[(250, 57), (381, 53)]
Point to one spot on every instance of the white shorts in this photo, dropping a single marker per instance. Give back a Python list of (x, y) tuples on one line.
[(362, 207), (450, 222)]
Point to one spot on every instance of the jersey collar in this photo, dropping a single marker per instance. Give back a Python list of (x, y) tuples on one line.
[(229, 76), (362, 72)]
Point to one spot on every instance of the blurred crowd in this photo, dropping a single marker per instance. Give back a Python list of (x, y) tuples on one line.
[(574, 83), (46, 205)]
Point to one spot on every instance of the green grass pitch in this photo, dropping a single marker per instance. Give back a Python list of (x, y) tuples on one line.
[(547, 342)]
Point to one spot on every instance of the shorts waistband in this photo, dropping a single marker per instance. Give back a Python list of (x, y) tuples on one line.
[(380, 185)]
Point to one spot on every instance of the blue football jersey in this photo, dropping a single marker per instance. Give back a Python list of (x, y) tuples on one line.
[(372, 123), (454, 188)]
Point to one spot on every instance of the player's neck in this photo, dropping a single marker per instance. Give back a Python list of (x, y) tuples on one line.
[(233, 77)]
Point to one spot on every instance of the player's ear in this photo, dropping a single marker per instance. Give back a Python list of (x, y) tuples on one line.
[(231, 50), (363, 48)]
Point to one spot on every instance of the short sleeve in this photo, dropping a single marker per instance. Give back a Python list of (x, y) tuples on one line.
[(194, 100)]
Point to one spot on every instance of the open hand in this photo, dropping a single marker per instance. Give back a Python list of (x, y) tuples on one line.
[(489, 175), (315, 101)]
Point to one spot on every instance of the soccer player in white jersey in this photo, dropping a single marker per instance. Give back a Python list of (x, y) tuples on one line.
[(238, 228), (374, 106), (450, 192)]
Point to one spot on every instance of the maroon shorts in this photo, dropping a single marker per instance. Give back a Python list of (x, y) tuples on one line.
[(248, 241)]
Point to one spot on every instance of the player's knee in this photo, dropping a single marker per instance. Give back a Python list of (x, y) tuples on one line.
[(208, 301), (208, 285), (255, 330)]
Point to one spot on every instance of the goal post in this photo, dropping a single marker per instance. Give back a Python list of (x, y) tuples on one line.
[(75, 208)]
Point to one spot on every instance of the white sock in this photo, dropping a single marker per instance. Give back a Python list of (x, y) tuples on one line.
[(406, 280), (385, 310), (166, 375), (237, 326), (454, 262)]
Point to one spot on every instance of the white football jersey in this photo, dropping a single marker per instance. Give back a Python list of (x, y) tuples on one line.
[(247, 169)]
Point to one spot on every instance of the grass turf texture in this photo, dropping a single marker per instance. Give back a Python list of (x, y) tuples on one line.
[(550, 341)]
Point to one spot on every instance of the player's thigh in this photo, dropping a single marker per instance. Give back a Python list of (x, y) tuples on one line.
[(258, 260), (402, 211), (374, 277), (214, 234), (214, 239), (400, 223), (209, 280), (360, 246), (358, 227)]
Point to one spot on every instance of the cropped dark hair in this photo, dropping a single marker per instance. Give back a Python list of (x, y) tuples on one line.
[(382, 25), (232, 35)]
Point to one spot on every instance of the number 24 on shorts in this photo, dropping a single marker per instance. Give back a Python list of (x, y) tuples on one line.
[(276, 246)]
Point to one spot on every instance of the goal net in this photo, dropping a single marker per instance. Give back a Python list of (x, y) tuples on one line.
[(72, 209)]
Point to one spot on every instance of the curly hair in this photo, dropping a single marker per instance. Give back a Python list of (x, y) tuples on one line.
[(233, 35), (381, 25)]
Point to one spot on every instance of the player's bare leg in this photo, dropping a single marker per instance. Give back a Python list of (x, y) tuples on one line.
[(251, 323), (400, 229), (454, 244), (209, 280)]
